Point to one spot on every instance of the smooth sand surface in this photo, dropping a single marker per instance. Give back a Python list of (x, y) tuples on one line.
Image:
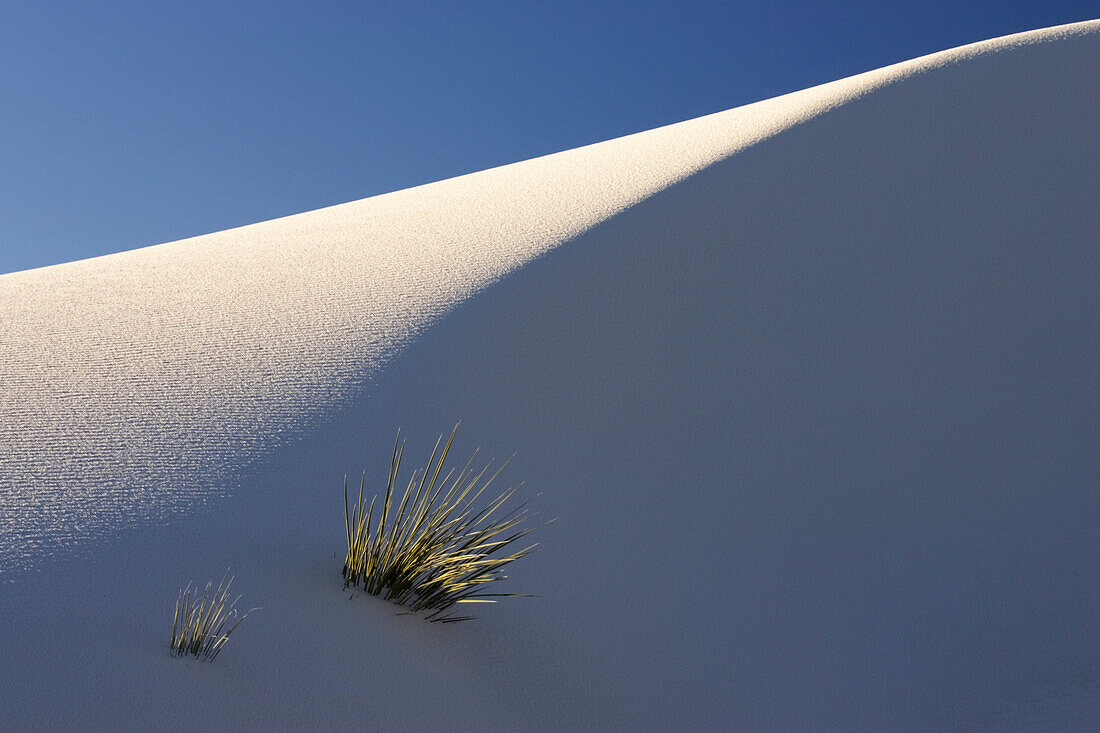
[(811, 392)]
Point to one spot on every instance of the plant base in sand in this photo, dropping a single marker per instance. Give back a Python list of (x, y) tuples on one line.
[(199, 626), (433, 549)]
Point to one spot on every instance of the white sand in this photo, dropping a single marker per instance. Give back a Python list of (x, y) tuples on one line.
[(137, 386)]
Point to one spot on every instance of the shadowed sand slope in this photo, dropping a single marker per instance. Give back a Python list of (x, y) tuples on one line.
[(811, 391)]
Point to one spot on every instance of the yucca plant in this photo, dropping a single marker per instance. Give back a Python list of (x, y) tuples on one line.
[(198, 627), (434, 549)]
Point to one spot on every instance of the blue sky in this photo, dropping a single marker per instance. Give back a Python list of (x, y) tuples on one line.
[(124, 124)]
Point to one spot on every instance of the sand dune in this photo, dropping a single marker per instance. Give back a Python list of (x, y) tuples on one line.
[(810, 389)]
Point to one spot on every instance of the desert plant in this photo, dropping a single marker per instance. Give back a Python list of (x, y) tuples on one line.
[(432, 550), (198, 627)]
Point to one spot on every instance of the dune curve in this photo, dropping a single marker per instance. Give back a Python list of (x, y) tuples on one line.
[(824, 327), (137, 380)]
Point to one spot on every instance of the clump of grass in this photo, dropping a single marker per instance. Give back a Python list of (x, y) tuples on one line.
[(198, 627), (433, 550)]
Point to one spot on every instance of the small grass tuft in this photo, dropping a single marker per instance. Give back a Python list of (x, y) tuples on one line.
[(432, 550), (198, 627)]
